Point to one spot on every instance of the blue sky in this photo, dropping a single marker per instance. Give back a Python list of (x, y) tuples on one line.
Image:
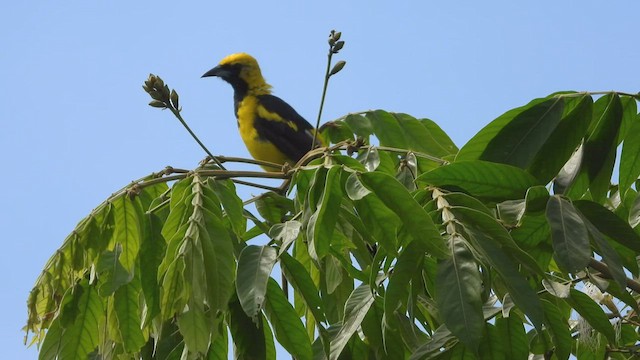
[(76, 126)]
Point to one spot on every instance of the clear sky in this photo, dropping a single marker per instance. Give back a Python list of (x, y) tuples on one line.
[(76, 126)]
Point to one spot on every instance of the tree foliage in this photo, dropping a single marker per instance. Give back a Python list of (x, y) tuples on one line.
[(393, 243)]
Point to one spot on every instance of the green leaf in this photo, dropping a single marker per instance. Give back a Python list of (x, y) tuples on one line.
[(51, 343), (387, 129), (126, 302), (599, 149), (254, 269), (609, 224), (559, 328), (111, 274), (286, 324), (439, 138), (569, 235), (127, 232), (608, 253), (248, 336), (152, 250), (323, 221), (494, 244), (219, 261), (441, 337), (82, 336), (370, 158), (172, 291), (591, 312), (476, 147), (194, 329), (180, 192), (286, 233), (415, 218), (491, 346), (409, 263), (519, 141), (564, 139), (532, 231), (273, 207), (458, 291), (301, 281), (512, 332), (225, 190), (482, 179), (630, 158), (355, 309)]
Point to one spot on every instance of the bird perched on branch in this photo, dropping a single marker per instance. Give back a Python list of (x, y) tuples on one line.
[(270, 128)]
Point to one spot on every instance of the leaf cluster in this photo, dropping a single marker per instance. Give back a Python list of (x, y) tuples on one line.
[(409, 248)]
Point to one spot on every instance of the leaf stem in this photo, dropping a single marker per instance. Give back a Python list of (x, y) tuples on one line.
[(176, 113)]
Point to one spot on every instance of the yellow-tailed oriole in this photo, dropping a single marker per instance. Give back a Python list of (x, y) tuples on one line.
[(270, 128)]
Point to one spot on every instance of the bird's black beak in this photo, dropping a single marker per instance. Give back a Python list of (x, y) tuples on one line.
[(216, 71)]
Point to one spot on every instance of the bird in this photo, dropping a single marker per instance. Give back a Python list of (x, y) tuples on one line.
[(271, 129)]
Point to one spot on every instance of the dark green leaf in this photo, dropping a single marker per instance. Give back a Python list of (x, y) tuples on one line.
[(254, 269), (475, 148), (514, 338), (409, 263), (458, 290), (273, 207), (559, 329), (569, 235), (564, 140), (225, 190), (490, 240), (387, 129), (609, 224), (355, 310), (482, 179), (608, 253), (630, 158), (600, 148), (301, 281), (323, 221), (519, 141), (286, 324), (416, 220), (593, 313), (249, 339)]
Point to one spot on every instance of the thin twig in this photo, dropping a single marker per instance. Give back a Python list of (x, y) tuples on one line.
[(176, 113), (224, 159)]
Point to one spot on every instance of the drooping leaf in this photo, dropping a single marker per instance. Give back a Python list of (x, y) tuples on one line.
[(195, 331), (355, 310), (301, 281), (127, 232), (518, 142), (564, 139), (416, 219), (323, 220), (482, 179), (591, 312), (286, 324), (569, 234), (630, 158), (609, 224), (226, 192), (515, 342), (458, 291), (254, 269), (81, 337), (485, 239), (248, 337), (126, 302), (599, 149), (559, 330)]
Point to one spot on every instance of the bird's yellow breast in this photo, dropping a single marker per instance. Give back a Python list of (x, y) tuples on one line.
[(260, 149)]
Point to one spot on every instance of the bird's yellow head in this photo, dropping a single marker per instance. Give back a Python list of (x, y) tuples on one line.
[(242, 71)]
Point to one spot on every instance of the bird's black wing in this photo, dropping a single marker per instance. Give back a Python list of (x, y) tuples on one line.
[(294, 141)]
